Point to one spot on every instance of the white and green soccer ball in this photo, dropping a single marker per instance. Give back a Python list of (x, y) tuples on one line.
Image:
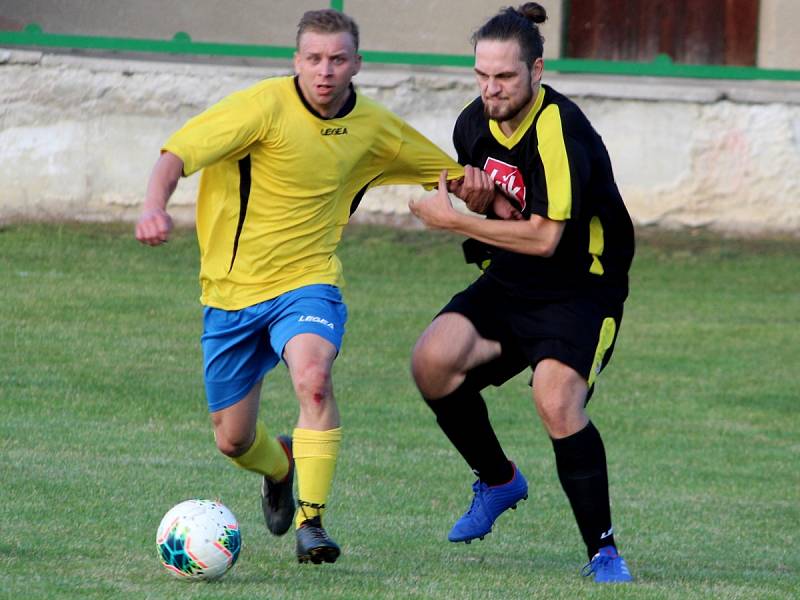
[(198, 540)]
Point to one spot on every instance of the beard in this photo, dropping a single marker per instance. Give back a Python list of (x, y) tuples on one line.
[(509, 110)]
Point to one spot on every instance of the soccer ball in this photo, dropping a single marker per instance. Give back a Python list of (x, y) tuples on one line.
[(198, 540)]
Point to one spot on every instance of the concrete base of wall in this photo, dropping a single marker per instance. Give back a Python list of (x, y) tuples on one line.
[(78, 137)]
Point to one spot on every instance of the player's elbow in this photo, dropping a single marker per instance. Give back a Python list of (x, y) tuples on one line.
[(547, 236), (549, 247)]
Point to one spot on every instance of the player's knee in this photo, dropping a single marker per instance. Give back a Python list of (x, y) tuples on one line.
[(424, 364), (561, 419), (232, 445), (313, 384), (428, 357)]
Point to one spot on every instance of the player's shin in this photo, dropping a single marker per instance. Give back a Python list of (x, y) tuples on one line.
[(464, 419), (315, 454), (581, 465), (265, 456)]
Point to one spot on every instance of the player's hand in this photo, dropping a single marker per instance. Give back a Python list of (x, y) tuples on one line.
[(435, 211), (154, 227), (476, 189), (504, 209)]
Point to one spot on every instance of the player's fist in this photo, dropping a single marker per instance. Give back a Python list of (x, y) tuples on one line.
[(476, 189), (154, 227)]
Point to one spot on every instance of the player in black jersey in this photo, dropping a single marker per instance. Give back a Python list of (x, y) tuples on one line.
[(555, 250)]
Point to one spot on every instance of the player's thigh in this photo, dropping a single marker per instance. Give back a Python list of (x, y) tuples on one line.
[(309, 358), (236, 353), (452, 343), (559, 393), (309, 333), (467, 332), (578, 334)]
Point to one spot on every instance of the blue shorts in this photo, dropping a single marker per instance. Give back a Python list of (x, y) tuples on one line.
[(241, 346)]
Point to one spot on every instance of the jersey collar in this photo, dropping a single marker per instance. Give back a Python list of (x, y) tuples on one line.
[(510, 142), (343, 112)]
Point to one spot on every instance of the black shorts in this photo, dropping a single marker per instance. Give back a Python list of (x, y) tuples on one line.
[(579, 332)]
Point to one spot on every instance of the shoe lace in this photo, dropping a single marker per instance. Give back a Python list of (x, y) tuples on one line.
[(597, 563), (318, 534), (477, 500), (313, 528)]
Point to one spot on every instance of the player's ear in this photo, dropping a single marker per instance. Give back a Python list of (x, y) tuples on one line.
[(296, 62), (537, 70), (357, 63)]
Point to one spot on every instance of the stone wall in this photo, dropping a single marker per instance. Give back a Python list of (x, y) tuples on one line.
[(78, 137)]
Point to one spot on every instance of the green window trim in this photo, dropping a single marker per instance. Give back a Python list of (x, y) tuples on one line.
[(182, 43)]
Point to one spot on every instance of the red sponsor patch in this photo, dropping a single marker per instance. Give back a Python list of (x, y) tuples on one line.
[(508, 177)]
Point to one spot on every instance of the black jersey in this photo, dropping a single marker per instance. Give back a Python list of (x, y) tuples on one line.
[(554, 165)]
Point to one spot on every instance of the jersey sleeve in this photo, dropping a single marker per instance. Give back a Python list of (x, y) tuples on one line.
[(565, 167), (222, 131), (418, 160), (458, 142)]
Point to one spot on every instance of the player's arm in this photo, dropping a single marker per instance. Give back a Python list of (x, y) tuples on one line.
[(476, 189), (413, 158), (480, 194), (537, 236), (155, 224)]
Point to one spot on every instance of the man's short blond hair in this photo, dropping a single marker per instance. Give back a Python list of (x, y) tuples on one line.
[(327, 20)]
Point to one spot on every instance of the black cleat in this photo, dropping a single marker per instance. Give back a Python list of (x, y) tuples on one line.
[(277, 500), (314, 545)]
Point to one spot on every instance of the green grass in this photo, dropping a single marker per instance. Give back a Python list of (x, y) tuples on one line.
[(104, 428)]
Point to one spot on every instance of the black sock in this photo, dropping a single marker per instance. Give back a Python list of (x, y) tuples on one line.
[(463, 417), (581, 465)]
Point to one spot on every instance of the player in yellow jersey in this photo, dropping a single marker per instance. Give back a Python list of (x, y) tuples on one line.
[(285, 162)]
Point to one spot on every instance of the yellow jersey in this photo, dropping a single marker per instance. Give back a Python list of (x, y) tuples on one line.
[(279, 183)]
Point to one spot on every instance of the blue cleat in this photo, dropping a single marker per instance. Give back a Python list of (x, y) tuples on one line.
[(608, 567), (488, 503)]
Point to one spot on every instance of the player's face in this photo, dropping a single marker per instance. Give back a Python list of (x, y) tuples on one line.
[(325, 63), (507, 85)]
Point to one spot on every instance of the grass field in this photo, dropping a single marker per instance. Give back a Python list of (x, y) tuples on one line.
[(104, 428)]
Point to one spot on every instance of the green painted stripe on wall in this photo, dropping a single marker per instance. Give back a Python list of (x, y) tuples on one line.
[(182, 43)]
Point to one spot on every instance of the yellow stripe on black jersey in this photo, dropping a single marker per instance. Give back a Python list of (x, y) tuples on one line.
[(279, 183)]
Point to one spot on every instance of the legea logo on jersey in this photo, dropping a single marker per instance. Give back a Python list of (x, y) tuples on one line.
[(333, 131), (315, 319), (508, 177)]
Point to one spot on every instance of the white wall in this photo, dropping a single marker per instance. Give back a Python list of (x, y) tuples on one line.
[(778, 39), (78, 137), (437, 26)]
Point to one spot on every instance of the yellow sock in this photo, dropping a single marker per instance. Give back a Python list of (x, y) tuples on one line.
[(315, 455), (266, 456)]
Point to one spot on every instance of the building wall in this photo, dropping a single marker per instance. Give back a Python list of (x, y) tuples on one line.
[(778, 40), (78, 137), (437, 26)]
